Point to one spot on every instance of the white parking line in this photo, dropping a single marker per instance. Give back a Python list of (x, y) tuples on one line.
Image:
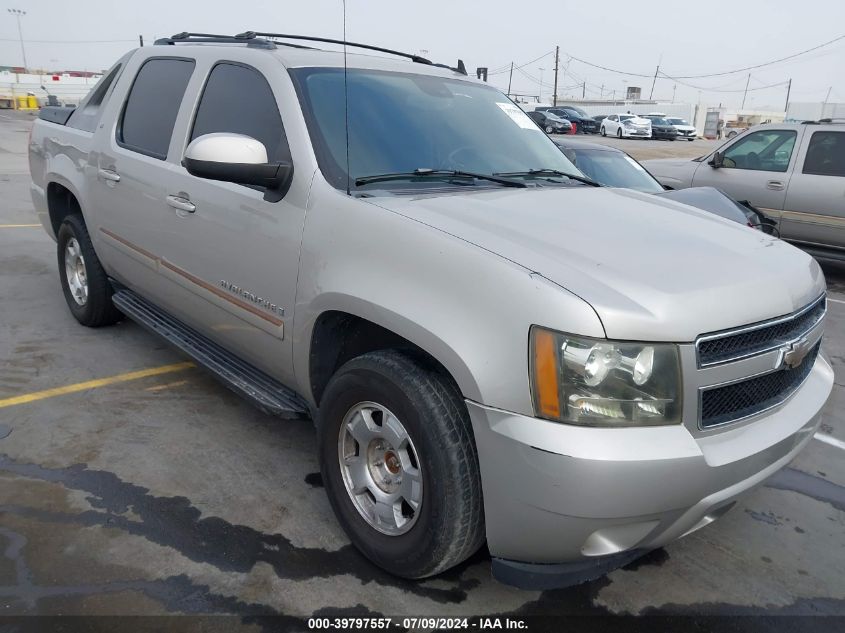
[(835, 300), (829, 439)]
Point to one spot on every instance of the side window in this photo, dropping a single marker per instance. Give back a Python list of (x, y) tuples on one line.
[(826, 154), (239, 100), (766, 150), (87, 115), (152, 105)]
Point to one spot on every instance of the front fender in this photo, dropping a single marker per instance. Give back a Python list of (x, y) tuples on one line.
[(467, 307)]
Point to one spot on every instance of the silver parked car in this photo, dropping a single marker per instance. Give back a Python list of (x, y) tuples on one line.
[(793, 172), (491, 346)]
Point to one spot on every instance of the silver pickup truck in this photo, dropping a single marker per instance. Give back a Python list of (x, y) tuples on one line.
[(491, 346), (794, 172)]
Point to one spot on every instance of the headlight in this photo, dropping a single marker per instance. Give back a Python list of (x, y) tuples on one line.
[(597, 382)]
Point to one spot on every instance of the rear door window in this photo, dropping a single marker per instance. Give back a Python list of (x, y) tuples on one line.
[(87, 115), (237, 99), (152, 105), (826, 154)]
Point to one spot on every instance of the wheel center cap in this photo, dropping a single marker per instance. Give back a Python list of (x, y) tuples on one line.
[(391, 462)]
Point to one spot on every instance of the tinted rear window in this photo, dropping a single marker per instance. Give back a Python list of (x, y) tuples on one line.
[(826, 154), (153, 103)]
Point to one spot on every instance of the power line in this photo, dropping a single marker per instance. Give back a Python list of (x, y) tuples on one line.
[(705, 89), (718, 74), (507, 67)]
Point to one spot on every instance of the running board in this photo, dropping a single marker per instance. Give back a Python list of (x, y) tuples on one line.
[(264, 392)]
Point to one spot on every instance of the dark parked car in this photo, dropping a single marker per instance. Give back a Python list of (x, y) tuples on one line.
[(550, 122), (582, 121), (598, 119), (661, 128), (614, 168)]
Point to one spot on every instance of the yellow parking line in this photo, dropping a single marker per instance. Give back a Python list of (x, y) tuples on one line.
[(169, 385), (19, 226), (93, 384)]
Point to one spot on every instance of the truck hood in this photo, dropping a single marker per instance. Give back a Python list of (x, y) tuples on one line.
[(652, 269)]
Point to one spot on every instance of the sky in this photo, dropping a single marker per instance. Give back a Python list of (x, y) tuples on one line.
[(684, 38)]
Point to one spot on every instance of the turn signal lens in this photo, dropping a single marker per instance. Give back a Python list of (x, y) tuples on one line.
[(546, 374)]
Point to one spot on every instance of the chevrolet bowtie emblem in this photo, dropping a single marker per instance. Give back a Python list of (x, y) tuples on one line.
[(793, 354)]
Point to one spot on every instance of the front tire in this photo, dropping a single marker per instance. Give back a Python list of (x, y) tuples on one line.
[(399, 463), (619, 132), (549, 129), (85, 284), (603, 131)]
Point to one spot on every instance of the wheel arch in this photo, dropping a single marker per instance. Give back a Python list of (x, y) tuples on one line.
[(342, 332), (62, 199)]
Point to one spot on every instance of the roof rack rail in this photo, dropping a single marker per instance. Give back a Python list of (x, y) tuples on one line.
[(248, 35), (211, 38), (833, 120)]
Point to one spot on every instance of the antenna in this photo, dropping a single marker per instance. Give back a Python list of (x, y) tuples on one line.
[(346, 103)]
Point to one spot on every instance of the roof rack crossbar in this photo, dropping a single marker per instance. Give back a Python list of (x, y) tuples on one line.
[(311, 38), (212, 38)]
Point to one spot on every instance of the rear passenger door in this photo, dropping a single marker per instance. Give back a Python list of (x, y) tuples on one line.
[(234, 256), (126, 167), (814, 212)]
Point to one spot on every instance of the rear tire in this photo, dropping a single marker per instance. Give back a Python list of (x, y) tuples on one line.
[(369, 406), (85, 284), (549, 129), (603, 132)]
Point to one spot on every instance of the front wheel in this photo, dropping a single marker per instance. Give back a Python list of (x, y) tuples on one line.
[(400, 465), (602, 131), (549, 129), (619, 132), (85, 284)]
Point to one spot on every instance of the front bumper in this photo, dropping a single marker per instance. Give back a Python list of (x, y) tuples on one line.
[(557, 493), (635, 133)]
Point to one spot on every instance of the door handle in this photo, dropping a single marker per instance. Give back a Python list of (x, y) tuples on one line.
[(182, 204), (777, 185), (108, 174)]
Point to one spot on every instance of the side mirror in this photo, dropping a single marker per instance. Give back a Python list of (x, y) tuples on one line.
[(235, 158), (717, 161)]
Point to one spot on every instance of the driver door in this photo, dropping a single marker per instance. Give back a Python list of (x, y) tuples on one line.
[(756, 167)]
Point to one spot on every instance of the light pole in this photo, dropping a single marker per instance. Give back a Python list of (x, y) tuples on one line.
[(18, 14), (541, 84)]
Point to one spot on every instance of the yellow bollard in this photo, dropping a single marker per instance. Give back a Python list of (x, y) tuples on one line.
[(32, 102), (21, 101)]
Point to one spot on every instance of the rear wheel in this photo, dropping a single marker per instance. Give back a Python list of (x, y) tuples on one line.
[(400, 465), (603, 131), (549, 129), (84, 282)]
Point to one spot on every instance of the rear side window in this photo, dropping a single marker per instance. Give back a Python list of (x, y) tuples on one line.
[(87, 115), (153, 103), (826, 154), (237, 99)]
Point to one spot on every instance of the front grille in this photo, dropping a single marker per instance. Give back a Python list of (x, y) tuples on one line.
[(729, 403), (754, 339)]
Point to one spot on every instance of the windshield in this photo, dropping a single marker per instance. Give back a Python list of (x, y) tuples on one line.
[(626, 117), (658, 121), (402, 122), (614, 169), (553, 116), (678, 121)]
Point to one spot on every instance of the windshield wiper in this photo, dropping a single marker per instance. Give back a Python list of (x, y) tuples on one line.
[(550, 172), (425, 172)]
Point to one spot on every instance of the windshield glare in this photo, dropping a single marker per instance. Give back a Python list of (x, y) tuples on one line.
[(615, 169), (658, 121), (626, 117), (401, 122), (678, 121)]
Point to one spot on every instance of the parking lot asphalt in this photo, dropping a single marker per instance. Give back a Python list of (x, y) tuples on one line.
[(163, 493)]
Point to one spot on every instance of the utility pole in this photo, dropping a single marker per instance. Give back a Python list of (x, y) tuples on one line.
[(788, 90), (141, 40), (654, 81), (674, 88), (601, 92), (510, 77), (557, 62), (18, 14), (583, 90), (744, 94)]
